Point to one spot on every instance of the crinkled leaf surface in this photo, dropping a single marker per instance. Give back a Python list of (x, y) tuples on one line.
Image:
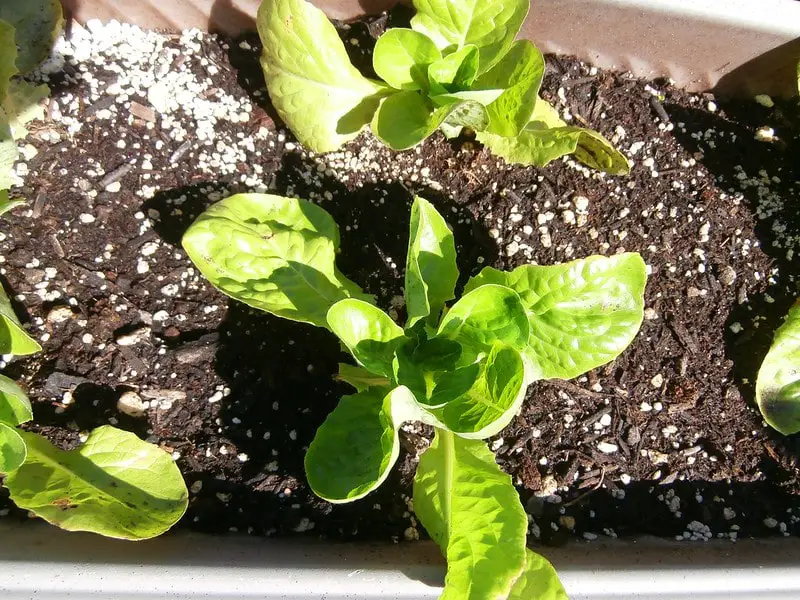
[(406, 118), (539, 581), (369, 333), (582, 314), (273, 253), (13, 338), (519, 73), (472, 511), (483, 316), (778, 382), (354, 449), (493, 399), (12, 449), (23, 104), (316, 91), (114, 484), (456, 71), (401, 58), (8, 57), (37, 24), (15, 408), (491, 25), (431, 271)]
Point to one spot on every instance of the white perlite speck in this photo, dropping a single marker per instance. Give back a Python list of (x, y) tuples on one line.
[(131, 404), (657, 381), (607, 447)]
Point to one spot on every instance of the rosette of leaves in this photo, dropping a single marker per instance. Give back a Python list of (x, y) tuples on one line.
[(113, 484), (463, 369), (457, 66), (28, 29)]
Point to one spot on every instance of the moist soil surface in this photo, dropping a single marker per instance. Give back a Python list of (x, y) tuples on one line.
[(144, 131)]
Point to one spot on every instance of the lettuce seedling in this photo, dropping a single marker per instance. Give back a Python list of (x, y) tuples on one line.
[(114, 484), (458, 66), (28, 29), (463, 369), (778, 381)]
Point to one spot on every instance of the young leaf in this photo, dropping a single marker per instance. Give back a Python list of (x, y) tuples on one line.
[(491, 25), (491, 402), (539, 580), (401, 58), (316, 91), (6, 203), (519, 73), (13, 338), (582, 314), (360, 378), (488, 314), (37, 24), (778, 382), (8, 57), (276, 254), (15, 408), (23, 105), (597, 152), (465, 114), (355, 448), (369, 333), (12, 449), (472, 511), (431, 271), (456, 71), (114, 484), (406, 118)]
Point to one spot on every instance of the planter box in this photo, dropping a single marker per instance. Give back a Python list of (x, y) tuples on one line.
[(41, 562), (722, 44), (732, 46)]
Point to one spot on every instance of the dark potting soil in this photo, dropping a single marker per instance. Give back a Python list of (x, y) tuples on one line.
[(665, 440)]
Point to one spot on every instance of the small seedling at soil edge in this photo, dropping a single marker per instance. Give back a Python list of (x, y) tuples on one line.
[(113, 484), (458, 66), (464, 370)]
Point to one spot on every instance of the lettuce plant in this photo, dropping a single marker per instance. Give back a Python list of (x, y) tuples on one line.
[(464, 370), (457, 66), (778, 381), (114, 484), (28, 29)]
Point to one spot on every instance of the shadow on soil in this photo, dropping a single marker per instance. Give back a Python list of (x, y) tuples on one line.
[(731, 162)]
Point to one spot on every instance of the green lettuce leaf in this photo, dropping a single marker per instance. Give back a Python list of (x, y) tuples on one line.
[(491, 25), (454, 72), (23, 105), (492, 400), (538, 581), (401, 58), (546, 137), (6, 203), (114, 484), (431, 270), (406, 118), (316, 91), (357, 445), (273, 253), (519, 74), (360, 378), (15, 408), (369, 333), (582, 314), (37, 24), (8, 57), (483, 316), (472, 511), (12, 449), (778, 382), (13, 338)]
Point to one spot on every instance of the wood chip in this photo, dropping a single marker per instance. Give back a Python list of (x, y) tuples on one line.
[(143, 112)]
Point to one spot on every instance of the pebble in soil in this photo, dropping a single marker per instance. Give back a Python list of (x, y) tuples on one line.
[(145, 130)]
